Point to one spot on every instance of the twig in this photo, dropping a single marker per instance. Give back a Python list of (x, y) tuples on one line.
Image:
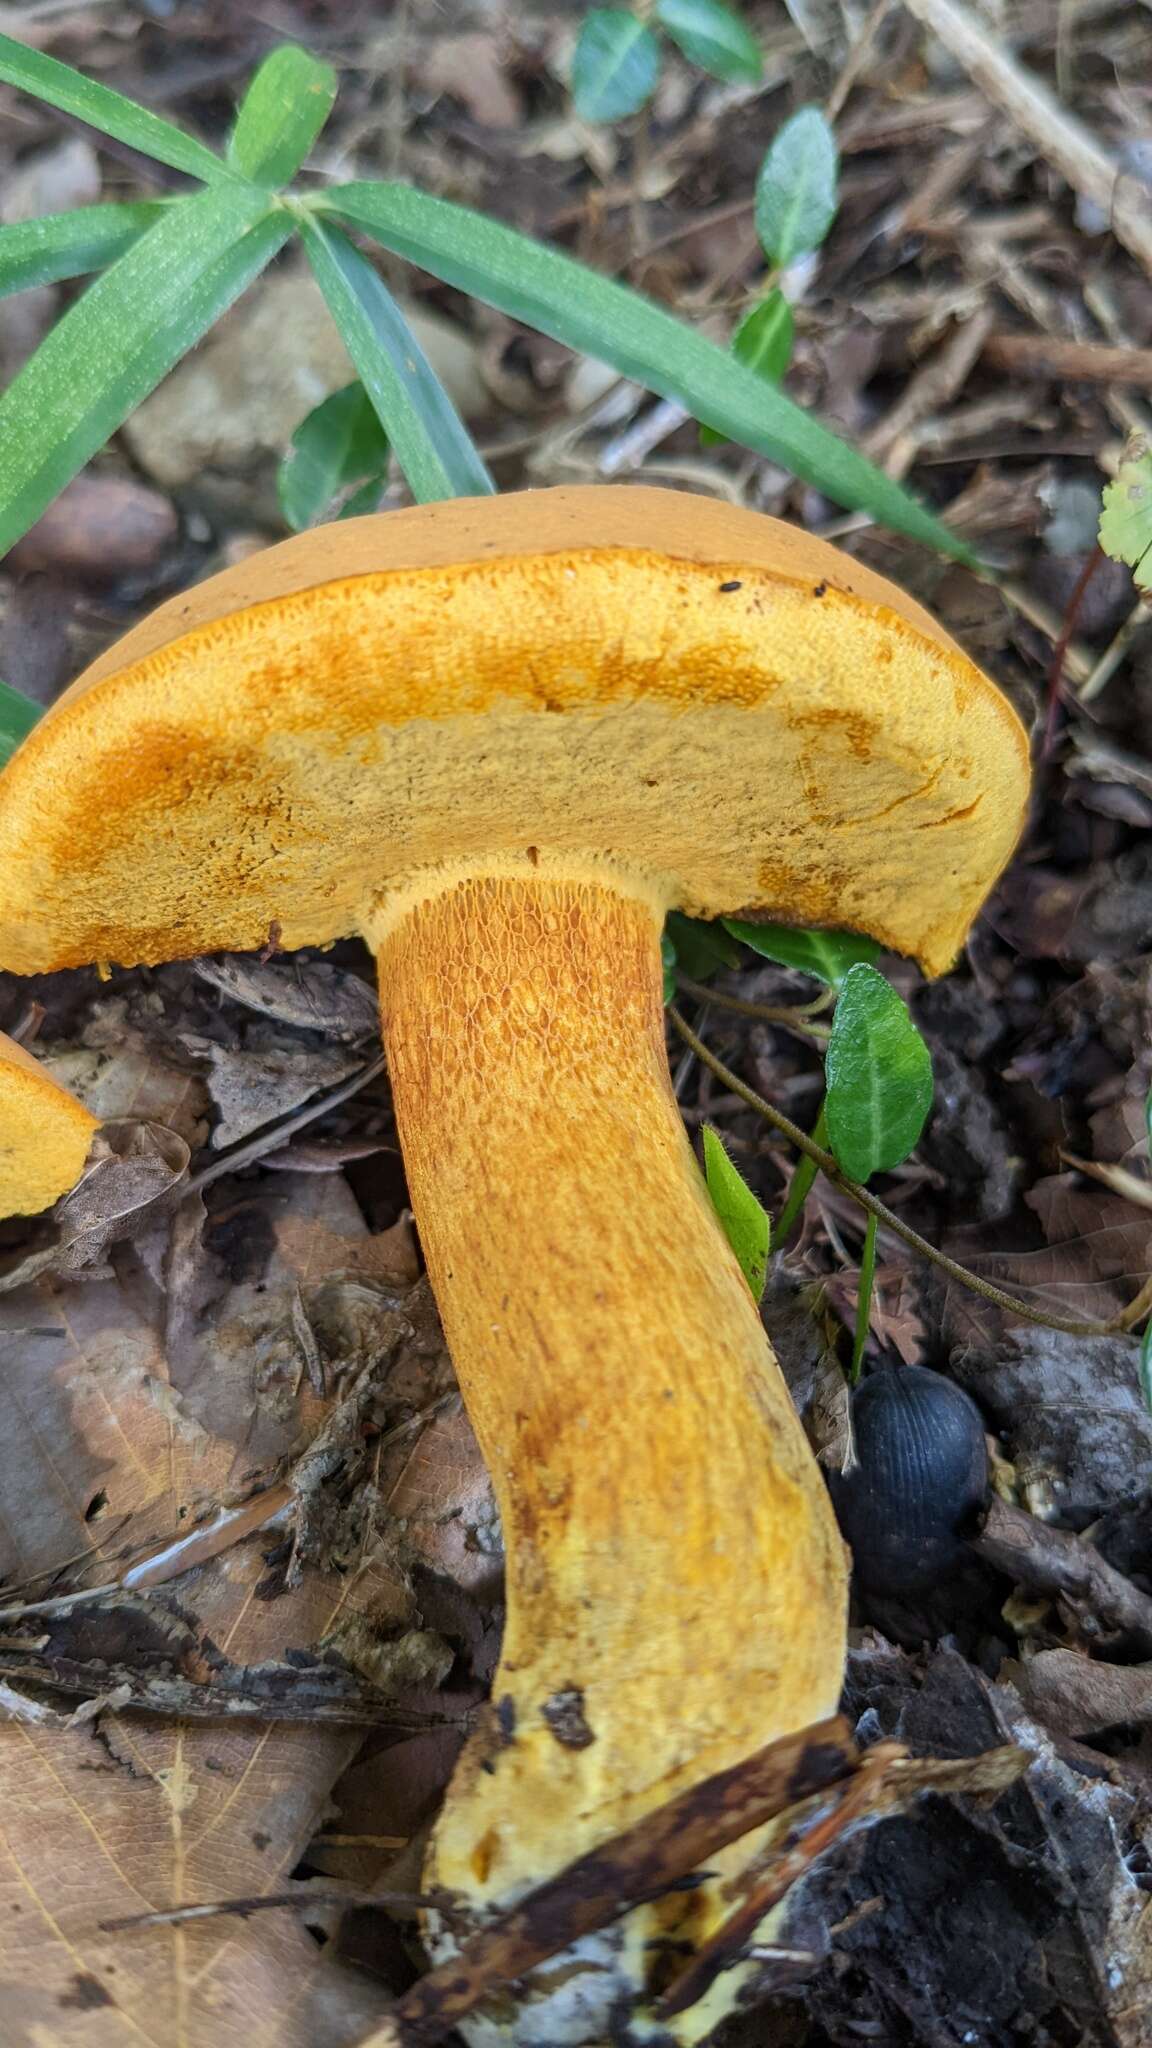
[(1059, 138), (1063, 1566), (1073, 362), (797, 1017), (268, 1902), (644, 1862), (1071, 1326), (273, 1135)]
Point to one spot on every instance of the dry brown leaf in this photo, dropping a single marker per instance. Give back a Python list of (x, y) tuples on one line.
[(113, 1442)]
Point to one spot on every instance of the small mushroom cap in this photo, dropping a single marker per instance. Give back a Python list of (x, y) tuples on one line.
[(712, 698), (44, 1134)]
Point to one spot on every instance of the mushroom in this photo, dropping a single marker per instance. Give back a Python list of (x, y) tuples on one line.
[(500, 739), (44, 1134)]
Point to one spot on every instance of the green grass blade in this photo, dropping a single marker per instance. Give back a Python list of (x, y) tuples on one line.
[(116, 343), (18, 714), (593, 314), (428, 437), (281, 114), (47, 79), (71, 244)]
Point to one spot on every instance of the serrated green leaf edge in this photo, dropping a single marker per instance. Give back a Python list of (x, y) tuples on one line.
[(744, 1221), (1125, 531)]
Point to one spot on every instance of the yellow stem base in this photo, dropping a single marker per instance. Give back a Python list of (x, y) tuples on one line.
[(675, 1580)]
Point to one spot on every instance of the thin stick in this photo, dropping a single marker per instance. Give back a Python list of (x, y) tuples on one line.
[(864, 1299), (796, 1017), (1070, 1326), (1057, 136)]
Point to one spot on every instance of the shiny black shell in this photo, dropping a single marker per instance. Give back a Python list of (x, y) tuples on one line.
[(918, 1485)]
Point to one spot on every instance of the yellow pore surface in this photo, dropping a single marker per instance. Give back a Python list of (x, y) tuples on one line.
[(44, 1134), (710, 697)]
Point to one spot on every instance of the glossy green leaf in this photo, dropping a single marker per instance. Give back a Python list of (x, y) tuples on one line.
[(1126, 513), (428, 437), (700, 948), (18, 714), (341, 442), (879, 1077), (600, 318), (615, 65), (864, 1299), (796, 188), (45, 77), (745, 1222), (116, 343), (63, 245), (827, 955), (714, 37), (763, 343), (281, 114)]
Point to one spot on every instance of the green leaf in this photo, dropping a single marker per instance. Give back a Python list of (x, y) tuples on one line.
[(281, 114), (1126, 514), (713, 37), (763, 343), (70, 244), (18, 714), (879, 1077), (826, 955), (745, 1222), (864, 1299), (428, 437), (600, 318), (1146, 1366), (700, 948), (800, 1186), (47, 79), (796, 188), (116, 343), (615, 65), (341, 442), (668, 963)]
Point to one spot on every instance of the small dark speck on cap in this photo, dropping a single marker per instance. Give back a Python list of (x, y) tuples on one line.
[(819, 589), (726, 587)]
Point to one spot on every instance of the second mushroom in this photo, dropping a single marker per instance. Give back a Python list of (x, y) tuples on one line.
[(501, 739)]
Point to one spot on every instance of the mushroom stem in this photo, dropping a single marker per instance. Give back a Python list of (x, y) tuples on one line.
[(675, 1581)]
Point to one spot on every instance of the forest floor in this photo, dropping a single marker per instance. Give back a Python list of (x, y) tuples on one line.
[(231, 1335)]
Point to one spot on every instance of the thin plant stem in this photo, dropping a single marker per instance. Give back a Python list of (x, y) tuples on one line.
[(799, 1191), (796, 1017), (864, 1300), (1070, 1326)]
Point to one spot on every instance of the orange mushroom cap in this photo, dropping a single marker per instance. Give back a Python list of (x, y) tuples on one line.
[(761, 724), (44, 1134)]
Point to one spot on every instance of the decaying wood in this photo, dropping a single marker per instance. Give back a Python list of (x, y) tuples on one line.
[(644, 1861), (1057, 1563)]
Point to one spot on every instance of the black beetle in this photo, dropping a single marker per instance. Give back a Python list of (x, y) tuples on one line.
[(921, 1477)]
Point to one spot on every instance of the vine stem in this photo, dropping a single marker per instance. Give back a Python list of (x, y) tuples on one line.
[(1070, 1326), (795, 1017)]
